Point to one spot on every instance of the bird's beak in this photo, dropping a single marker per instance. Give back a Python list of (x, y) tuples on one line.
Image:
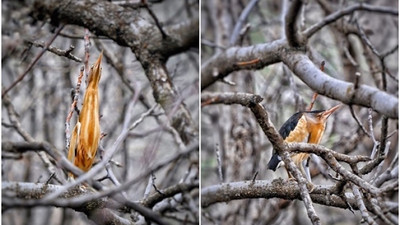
[(95, 72), (328, 112), (97, 64)]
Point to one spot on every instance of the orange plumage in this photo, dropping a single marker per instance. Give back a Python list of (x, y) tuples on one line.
[(86, 133)]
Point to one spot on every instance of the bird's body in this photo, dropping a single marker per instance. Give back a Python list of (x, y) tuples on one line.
[(305, 126), (86, 134)]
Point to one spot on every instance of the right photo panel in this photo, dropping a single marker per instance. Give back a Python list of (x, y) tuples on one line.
[(299, 112)]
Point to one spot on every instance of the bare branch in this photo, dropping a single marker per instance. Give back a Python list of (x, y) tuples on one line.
[(153, 199), (57, 51), (243, 16), (21, 77), (244, 99), (272, 189), (291, 28), (343, 91), (346, 11), (221, 65)]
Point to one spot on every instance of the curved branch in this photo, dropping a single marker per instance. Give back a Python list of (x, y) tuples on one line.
[(346, 11), (127, 28), (291, 30), (345, 92), (221, 65), (224, 63)]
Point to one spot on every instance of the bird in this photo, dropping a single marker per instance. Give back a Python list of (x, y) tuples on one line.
[(85, 136), (303, 126)]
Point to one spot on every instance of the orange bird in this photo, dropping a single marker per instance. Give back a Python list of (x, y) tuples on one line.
[(86, 134), (305, 126)]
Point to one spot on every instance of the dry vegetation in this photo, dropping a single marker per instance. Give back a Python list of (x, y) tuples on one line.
[(147, 166), (265, 55)]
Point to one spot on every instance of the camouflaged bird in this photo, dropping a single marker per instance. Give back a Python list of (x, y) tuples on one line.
[(86, 133)]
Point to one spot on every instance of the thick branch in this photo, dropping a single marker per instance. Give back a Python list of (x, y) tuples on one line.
[(224, 63), (125, 27), (228, 98), (345, 92), (170, 101), (324, 195), (221, 65)]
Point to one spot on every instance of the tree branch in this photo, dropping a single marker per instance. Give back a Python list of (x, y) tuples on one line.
[(221, 65), (127, 28), (347, 11), (228, 98), (291, 30), (18, 194), (278, 188), (345, 92), (224, 63), (157, 197)]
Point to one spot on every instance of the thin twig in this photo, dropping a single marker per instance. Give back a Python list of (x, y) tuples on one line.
[(353, 114), (72, 107), (219, 162), (242, 18), (346, 11), (86, 40), (315, 95), (57, 51), (371, 130), (153, 15), (30, 66)]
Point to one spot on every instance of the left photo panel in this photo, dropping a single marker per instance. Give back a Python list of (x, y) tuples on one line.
[(100, 112)]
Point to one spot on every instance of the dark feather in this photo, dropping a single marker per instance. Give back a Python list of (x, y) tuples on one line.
[(274, 162), (289, 125)]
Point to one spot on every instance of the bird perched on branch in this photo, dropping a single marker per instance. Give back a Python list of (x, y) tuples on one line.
[(86, 133), (305, 126)]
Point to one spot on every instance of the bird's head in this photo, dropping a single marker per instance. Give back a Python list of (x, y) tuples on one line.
[(95, 71), (320, 116)]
